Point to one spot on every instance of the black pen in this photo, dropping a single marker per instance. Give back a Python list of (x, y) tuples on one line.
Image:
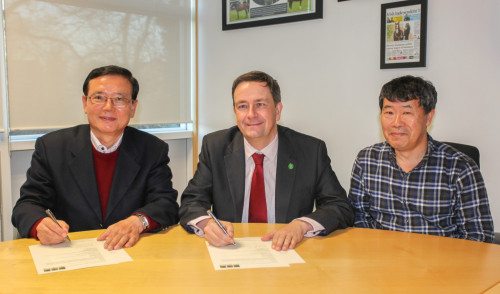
[(219, 224), (53, 217)]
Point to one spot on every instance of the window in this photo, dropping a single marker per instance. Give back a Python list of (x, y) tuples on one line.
[(52, 46)]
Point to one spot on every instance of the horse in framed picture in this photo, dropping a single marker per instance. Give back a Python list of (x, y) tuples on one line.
[(238, 6)]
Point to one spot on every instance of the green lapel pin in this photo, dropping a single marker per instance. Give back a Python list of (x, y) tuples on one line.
[(290, 166)]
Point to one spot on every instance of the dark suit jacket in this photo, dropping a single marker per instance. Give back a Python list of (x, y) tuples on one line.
[(62, 178), (220, 181)]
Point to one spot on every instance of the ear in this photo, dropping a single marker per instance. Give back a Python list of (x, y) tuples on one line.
[(279, 107), (430, 117), (133, 107), (84, 103)]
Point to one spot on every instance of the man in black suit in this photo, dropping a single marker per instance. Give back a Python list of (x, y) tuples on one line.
[(295, 169), (101, 175)]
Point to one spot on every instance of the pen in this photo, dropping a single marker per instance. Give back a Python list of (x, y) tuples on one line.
[(219, 224), (53, 217)]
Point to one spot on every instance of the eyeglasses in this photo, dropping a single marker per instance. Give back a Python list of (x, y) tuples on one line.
[(118, 101)]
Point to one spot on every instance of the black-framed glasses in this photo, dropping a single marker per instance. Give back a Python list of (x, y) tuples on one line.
[(118, 101)]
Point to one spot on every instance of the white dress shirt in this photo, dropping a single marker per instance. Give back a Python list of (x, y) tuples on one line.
[(101, 148)]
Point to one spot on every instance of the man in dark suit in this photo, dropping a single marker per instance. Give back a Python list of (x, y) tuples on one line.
[(293, 176), (101, 175)]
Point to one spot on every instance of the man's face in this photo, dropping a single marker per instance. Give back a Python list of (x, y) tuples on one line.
[(404, 124), (106, 120), (256, 113)]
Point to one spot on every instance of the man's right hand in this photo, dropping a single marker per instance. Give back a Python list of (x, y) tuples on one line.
[(214, 235), (48, 232)]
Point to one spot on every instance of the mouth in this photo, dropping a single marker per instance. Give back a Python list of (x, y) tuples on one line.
[(398, 134), (254, 124), (107, 118)]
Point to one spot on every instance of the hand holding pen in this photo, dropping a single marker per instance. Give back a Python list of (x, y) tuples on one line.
[(51, 231), (218, 234)]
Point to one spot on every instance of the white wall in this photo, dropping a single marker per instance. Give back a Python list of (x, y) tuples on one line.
[(329, 74)]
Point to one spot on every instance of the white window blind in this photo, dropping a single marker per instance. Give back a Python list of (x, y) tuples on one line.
[(53, 45)]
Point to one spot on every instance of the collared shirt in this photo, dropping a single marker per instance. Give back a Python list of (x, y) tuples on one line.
[(100, 147), (270, 166), (443, 195)]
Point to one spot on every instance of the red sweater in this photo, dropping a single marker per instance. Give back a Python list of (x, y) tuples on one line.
[(104, 167)]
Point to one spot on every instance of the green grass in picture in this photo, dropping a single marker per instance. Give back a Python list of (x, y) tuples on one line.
[(234, 16), (298, 5), (389, 32)]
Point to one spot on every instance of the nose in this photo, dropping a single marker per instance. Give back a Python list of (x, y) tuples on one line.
[(251, 111), (397, 122), (108, 104)]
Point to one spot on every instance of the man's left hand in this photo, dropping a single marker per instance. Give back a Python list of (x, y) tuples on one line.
[(124, 233), (288, 236)]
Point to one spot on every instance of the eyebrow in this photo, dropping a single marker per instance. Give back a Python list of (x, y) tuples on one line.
[(404, 106), (255, 101), (261, 100), (114, 93)]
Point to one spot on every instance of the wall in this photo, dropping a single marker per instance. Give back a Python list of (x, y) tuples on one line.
[(329, 73)]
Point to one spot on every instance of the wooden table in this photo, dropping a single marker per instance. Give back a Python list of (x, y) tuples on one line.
[(347, 261)]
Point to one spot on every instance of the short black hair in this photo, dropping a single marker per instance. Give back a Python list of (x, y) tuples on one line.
[(408, 88), (112, 70), (259, 76)]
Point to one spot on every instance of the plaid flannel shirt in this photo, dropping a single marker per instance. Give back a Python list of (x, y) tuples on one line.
[(443, 195)]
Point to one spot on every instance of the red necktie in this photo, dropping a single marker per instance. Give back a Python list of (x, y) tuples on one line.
[(258, 208)]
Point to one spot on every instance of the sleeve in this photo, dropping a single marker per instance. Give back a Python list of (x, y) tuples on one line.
[(358, 197), (333, 210), (472, 211), (160, 196), (193, 225), (317, 228), (197, 197), (33, 231), (37, 193)]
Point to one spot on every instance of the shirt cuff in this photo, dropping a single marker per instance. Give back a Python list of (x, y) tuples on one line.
[(33, 231), (317, 227), (193, 225)]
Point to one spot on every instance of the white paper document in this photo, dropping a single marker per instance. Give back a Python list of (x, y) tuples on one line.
[(74, 255), (251, 252)]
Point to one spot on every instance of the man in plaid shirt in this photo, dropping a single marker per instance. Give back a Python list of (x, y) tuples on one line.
[(413, 183)]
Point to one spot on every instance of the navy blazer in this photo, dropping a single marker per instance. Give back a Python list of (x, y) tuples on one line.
[(220, 181), (62, 178)]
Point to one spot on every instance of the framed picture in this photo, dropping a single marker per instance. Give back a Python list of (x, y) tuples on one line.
[(403, 34), (237, 14)]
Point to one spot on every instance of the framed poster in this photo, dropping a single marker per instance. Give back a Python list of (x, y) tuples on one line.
[(403, 34), (237, 14)]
